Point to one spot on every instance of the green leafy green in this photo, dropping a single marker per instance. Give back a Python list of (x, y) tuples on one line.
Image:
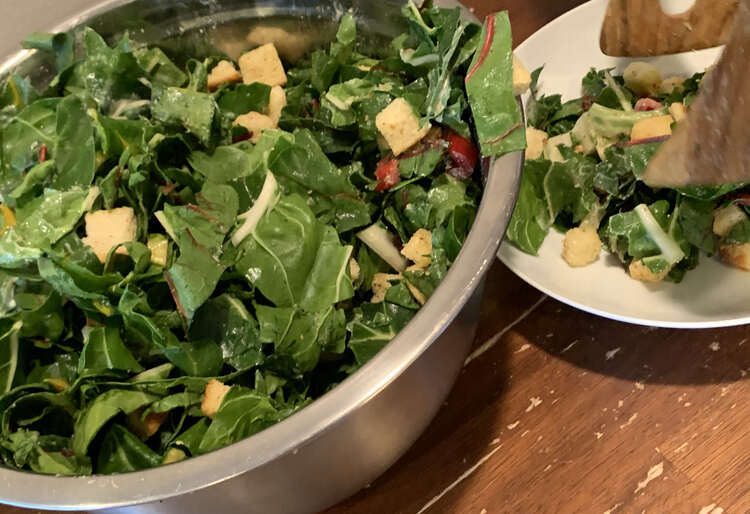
[(489, 86), (150, 248)]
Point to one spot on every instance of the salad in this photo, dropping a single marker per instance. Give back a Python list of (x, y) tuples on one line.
[(584, 161), (194, 249)]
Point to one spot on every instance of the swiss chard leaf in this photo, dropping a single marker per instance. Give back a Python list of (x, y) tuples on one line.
[(489, 85), (244, 98), (75, 146), (122, 451), (304, 162), (48, 218), (103, 408), (60, 45), (108, 74), (243, 412), (225, 321), (373, 326), (294, 260), (104, 349), (160, 67), (183, 107), (32, 129)]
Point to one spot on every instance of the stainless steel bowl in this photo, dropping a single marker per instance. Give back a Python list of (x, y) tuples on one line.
[(352, 434)]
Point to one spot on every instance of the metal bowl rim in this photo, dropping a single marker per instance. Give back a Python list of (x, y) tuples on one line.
[(478, 253)]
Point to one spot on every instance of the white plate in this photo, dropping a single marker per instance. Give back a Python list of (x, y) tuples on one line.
[(712, 295)]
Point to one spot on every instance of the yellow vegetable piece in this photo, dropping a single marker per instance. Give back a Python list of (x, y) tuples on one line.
[(9, 219)]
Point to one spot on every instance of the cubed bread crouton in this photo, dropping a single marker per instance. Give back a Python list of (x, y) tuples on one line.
[(400, 126), (535, 140), (262, 65), (419, 248), (105, 229), (255, 123), (354, 269), (581, 246), (521, 77), (145, 427), (643, 79), (678, 111), (726, 218), (736, 255), (381, 282), (640, 271), (276, 102), (212, 396), (222, 73), (652, 127)]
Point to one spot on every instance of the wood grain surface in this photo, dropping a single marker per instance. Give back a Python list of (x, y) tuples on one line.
[(640, 28), (559, 411)]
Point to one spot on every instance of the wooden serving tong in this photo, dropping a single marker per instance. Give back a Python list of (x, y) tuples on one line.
[(639, 28), (712, 145)]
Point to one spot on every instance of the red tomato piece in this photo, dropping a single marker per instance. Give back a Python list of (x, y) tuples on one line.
[(387, 174), (464, 155), (647, 104)]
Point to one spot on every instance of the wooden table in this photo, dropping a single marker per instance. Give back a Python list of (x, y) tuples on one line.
[(559, 411), (564, 412)]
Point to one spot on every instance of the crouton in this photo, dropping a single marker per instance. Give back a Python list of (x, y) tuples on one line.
[(726, 218), (276, 102), (535, 140), (212, 397), (678, 111), (105, 229), (255, 123), (262, 65), (581, 246), (419, 248), (521, 77), (400, 126), (652, 127), (222, 73), (643, 79), (145, 427), (381, 282), (640, 271), (354, 269), (736, 255)]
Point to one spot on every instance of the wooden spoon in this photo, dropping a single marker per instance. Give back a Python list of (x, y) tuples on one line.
[(639, 28), (712, 145)]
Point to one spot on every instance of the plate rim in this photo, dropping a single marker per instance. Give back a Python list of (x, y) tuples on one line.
[(506, 246)]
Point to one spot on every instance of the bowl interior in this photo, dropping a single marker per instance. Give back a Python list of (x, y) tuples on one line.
[(203, 27)]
